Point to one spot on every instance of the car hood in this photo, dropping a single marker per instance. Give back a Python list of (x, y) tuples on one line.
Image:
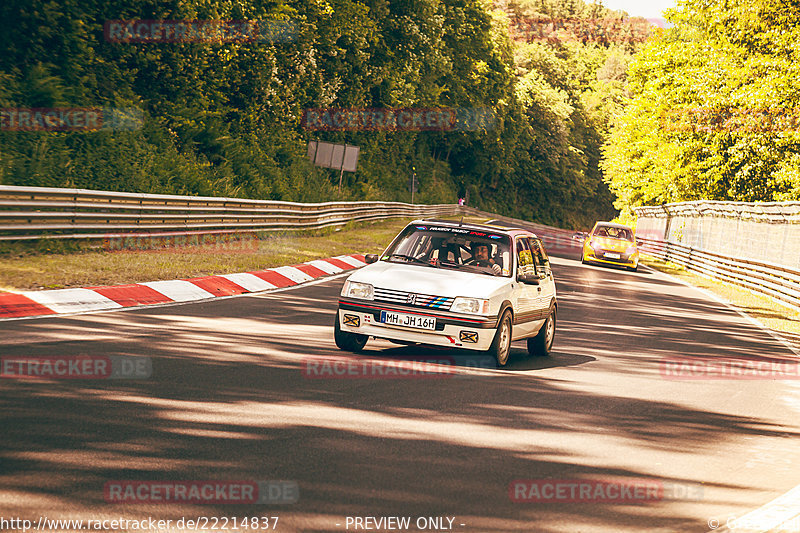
[(421, 279), (607, 243)]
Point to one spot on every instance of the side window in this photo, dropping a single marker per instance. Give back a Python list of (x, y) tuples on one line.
[(524, 257), (540, 257)]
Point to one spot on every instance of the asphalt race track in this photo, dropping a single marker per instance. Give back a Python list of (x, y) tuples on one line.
[(236, 393)]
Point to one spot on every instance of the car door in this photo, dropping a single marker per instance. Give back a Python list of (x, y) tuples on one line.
[(528, 305)]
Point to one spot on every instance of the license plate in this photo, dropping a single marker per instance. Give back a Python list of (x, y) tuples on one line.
[(613, 256), (408, 321)]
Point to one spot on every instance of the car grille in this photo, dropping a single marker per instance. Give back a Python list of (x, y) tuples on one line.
[(413, 299)]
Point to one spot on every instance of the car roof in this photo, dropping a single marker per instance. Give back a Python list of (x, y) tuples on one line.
[(508, 230), (612, 225)]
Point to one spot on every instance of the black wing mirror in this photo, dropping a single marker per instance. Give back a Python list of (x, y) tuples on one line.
[(371, 258)]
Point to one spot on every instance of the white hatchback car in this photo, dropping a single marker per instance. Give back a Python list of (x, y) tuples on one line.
[(444, 283)]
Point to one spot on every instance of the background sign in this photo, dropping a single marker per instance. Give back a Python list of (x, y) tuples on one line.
[(342, 157)]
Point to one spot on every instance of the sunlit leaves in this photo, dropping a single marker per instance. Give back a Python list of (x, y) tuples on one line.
[(722, 89)]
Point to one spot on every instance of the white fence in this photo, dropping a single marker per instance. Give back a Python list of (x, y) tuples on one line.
[(756, 246), (767, 232)]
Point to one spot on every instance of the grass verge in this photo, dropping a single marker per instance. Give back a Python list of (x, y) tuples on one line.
[(58, 265), (780, 318)]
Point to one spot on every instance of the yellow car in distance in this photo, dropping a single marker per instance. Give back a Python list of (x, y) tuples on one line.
[(611, 244)]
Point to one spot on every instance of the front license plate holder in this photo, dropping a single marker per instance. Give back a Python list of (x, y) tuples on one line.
[(612, 256), (408, 321)]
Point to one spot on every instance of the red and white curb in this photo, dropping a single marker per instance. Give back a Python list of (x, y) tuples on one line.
[(67, 301)]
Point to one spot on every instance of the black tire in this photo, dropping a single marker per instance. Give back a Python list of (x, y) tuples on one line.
[(501, 345), (542, 344), (349, 342), (633, 269)]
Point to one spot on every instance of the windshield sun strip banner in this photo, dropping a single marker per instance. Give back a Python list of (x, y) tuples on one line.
[(460, 231)]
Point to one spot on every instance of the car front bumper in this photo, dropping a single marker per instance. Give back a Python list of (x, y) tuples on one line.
[(624, 261), (453, 331)]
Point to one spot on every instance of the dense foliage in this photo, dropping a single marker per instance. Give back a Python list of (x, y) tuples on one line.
[(224, 118), (713, 109)]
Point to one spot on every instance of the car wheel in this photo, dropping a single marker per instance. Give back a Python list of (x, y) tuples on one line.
[(633, 269), (349, 342), (542, 344), (501, 345)]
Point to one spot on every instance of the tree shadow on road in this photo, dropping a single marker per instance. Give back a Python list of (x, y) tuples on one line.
[(230, 398)]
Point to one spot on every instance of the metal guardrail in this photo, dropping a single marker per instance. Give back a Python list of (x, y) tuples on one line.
[(35, 212), (779, 282), (704, 235), (762, 232), (770, 212)]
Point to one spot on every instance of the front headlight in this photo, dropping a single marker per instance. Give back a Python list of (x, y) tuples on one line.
[(631, 250), (354, 289), (471, 306)]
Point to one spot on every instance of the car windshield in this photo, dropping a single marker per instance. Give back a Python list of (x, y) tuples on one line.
[(614, 233), (455, 248)]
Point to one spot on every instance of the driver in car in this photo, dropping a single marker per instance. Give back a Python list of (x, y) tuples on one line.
[(480, 257)]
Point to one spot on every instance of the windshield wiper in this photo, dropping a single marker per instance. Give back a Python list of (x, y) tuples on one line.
[(410, 258)]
